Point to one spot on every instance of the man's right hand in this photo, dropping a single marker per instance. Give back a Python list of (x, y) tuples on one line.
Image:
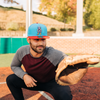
[(29, 81)]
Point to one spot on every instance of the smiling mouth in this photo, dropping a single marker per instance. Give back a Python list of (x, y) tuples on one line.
[(40, 47)]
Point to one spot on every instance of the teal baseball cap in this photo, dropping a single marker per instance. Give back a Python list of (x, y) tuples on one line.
[(37, 31)]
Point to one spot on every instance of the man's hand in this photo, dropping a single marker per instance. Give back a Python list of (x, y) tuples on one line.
[(29, 81)]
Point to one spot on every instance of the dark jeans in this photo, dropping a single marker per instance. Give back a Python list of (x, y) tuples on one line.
[(57, 91)]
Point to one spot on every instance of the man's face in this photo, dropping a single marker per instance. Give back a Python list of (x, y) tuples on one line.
[(37, 45)]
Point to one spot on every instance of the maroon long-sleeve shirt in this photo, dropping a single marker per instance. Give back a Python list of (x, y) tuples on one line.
[(41, 68)]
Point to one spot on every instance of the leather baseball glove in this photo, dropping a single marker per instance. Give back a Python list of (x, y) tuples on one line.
[(72, 68)]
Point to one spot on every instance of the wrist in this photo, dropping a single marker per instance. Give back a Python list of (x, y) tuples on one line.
[(24, 76)]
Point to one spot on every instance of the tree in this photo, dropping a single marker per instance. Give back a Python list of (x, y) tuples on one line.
[(12, 1), (62, 8), (92, 13)]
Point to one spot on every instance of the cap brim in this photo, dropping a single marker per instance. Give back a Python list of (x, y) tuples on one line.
[(38, 37)]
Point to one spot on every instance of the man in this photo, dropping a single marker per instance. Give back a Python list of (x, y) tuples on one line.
[(40, 63)]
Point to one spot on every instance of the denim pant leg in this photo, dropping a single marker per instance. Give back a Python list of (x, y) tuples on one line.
[(57, 91), (16, 84)]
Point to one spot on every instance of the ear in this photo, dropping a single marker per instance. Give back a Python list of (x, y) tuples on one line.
[(28, 40)]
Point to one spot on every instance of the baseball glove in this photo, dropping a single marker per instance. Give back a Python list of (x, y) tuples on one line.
[(72, 68)]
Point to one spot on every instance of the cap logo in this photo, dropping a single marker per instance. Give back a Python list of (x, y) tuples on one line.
[(39, 31), (40, 36)]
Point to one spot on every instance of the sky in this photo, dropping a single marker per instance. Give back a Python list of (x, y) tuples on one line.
[(35, 4)]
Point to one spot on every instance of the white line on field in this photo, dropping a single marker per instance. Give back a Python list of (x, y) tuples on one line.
[(45, 95), (41, 92), (2, 82)]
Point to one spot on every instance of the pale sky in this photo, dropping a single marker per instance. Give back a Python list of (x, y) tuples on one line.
[(35, 4)]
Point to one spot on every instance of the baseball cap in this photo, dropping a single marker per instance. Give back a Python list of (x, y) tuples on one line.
[(37, 31)]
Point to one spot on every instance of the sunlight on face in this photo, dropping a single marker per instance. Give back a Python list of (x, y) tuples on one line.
[(37, 45)]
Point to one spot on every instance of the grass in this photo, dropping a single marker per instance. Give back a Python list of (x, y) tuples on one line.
[(97, 65), (6, 59), (9, 14)]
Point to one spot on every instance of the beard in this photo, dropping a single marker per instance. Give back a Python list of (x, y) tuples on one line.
[(37, 49)]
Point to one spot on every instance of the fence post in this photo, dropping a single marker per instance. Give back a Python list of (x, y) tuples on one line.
[(28, 15), (79, 22)]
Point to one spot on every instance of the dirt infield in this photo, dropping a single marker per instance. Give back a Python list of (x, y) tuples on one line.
[(87, 89)]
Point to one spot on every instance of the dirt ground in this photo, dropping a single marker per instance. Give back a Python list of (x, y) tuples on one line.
[(87, 89)]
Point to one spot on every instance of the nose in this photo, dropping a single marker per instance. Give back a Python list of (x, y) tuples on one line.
[(41, 42)]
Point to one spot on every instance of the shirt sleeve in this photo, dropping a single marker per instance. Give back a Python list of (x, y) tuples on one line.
[(55, 56), (16, 65)]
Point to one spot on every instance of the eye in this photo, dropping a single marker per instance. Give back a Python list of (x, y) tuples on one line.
[(42, 39), (37, 39)]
